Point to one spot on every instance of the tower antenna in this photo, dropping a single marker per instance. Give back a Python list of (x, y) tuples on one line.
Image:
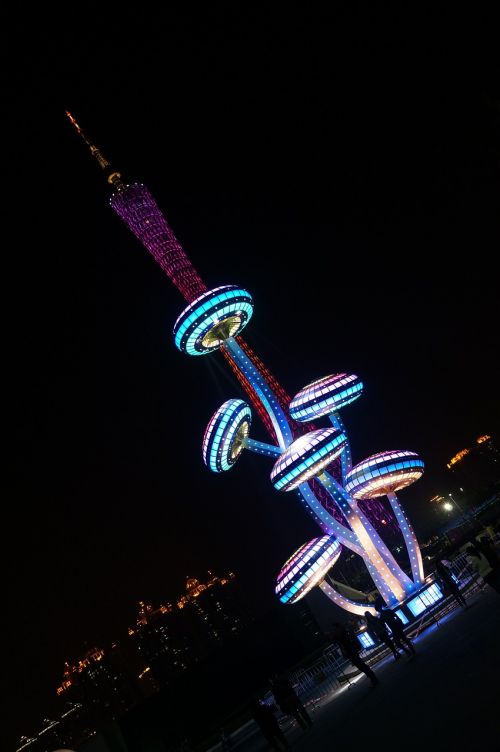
[(113, 177)]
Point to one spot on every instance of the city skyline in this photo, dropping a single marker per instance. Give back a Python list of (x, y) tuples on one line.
[(146, 612), (164, 641), (358, 204)]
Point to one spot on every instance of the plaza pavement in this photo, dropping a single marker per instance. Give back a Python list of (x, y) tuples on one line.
[(448, 697)]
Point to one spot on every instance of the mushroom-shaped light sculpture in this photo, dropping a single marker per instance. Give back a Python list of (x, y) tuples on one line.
[(306, 457), (325, 396), (212, 318), (306, 568), (225, 436), (383, 474)]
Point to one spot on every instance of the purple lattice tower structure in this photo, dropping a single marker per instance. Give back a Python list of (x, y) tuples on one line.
[(315, 461), (138, 209)]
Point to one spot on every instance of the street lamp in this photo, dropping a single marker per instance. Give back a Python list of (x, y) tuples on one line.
[(464, 514), (456, 504)]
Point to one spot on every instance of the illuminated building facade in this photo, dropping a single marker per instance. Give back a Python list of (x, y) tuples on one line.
[(311, 459), (102, 683), (476, 469), (166, 642), (174, 638)]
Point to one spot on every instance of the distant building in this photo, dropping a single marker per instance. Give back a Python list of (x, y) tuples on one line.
[(172, 639), (477, 469), (60, 733), (164, 643), (99, 682)]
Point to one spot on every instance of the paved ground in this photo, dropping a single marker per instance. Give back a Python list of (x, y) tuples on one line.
[(448, 697)]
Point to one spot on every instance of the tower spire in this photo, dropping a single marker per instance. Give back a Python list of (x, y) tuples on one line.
[(113, 177)]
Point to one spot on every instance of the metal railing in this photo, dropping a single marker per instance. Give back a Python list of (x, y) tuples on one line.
[(331, 671)]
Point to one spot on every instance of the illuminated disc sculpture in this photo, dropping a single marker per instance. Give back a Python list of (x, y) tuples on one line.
[(325, 396), (211, 319), (306, 568), (226, 434), (307, 463), (382, 475), (306, 457)]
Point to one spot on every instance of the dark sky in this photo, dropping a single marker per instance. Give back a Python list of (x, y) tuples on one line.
[(343, 168)]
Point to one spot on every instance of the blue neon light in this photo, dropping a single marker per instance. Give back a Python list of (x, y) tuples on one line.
[(425, 599), (366, 640), (306, 568), (371, 477), (306, 457), (218, 450), (206, 312), (402, 616)]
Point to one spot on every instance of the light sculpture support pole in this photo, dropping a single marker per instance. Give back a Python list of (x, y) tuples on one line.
[(346, 603), (260, 447), (345, 457), (354, 515), (327, 522), (264, 392), (390, 588), (410, 539)]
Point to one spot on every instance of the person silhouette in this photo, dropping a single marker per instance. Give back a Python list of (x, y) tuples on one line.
[(269, 726), (288, 700), (449, 585), (379, 629), (350, 647), (483, 568), (486, 546), (395, 624)]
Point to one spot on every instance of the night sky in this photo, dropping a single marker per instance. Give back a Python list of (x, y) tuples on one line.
[(343, 168)]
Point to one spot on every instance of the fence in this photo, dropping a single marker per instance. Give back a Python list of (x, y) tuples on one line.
[(332, 671)]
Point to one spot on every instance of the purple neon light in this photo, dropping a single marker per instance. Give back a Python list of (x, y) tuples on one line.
[(306, 568), (383, 473), (325, 396), (138, 209), (306, 457)]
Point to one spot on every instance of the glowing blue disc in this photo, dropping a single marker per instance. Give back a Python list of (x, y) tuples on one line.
[(212, 318), (224, 439), (306, 568), (306, 457), (383, 473)]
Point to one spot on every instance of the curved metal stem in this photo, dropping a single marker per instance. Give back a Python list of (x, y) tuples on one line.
[(346, 603), (345, 457), (260, 447), (393, 586), (410, 540), (264, 392)]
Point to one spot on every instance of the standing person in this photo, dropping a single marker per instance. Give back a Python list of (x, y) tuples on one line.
[(483, 568), (288, 700), (379, 629), (350, 647), (486, 546), (268, 724), (395, 624), (449, 585)]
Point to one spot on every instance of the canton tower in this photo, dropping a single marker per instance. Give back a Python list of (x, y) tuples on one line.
[(310, 458)]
